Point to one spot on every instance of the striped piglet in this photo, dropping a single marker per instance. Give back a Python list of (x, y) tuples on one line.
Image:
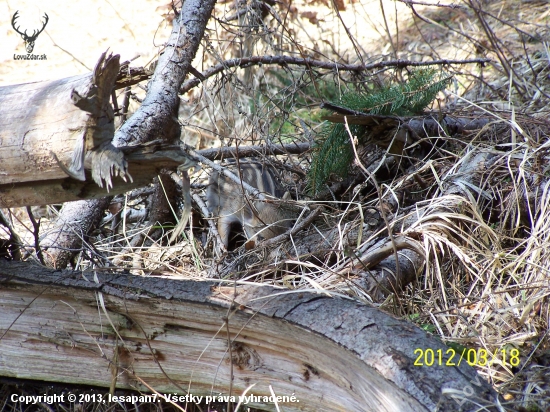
[(233, 206)]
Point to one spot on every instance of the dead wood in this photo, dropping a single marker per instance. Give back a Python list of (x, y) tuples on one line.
[(95, 140), (156, 118), (459, 186), (254, 151), (144, 162), (86, 116), (372, 265), (380, 279), (420, 126), (331, 353), (54, 145), (59, 245), (382, 128), (319, 64), (61, 125), (129, 76), (36, 120)]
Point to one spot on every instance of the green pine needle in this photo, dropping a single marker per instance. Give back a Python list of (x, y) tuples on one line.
[(333, 153)]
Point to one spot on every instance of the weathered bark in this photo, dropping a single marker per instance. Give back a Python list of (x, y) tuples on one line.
[(382, 128), (37, 119), (220, 153), (65, 122), (144, 163), (129, 76), (331, 353), (380, 279), (60, 244), (156, 118)]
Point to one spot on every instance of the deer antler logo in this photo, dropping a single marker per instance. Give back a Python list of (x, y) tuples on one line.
[(29, 40)]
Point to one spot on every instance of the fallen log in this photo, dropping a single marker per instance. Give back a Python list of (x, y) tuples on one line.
[(144, 163), (149, 333), (57, 146)]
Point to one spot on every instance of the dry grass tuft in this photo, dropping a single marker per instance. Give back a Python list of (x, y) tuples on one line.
[(475, 207)]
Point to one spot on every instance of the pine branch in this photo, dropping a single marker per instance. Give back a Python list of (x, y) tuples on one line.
[(333, 153)]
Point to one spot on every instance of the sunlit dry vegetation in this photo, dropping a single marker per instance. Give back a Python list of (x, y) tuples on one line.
[(463, 210)]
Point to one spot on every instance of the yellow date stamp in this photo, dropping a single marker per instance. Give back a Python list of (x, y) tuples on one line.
[(474, 357)]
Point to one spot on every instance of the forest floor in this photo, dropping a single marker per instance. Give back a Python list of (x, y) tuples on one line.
[(480, 199)]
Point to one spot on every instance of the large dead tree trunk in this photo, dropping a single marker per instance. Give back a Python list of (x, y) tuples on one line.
[(79, 121), (192, 337), (43, 139), (156, 118), (59, 245)]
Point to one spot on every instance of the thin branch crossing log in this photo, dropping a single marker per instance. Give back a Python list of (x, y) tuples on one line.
[(329, 353)]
